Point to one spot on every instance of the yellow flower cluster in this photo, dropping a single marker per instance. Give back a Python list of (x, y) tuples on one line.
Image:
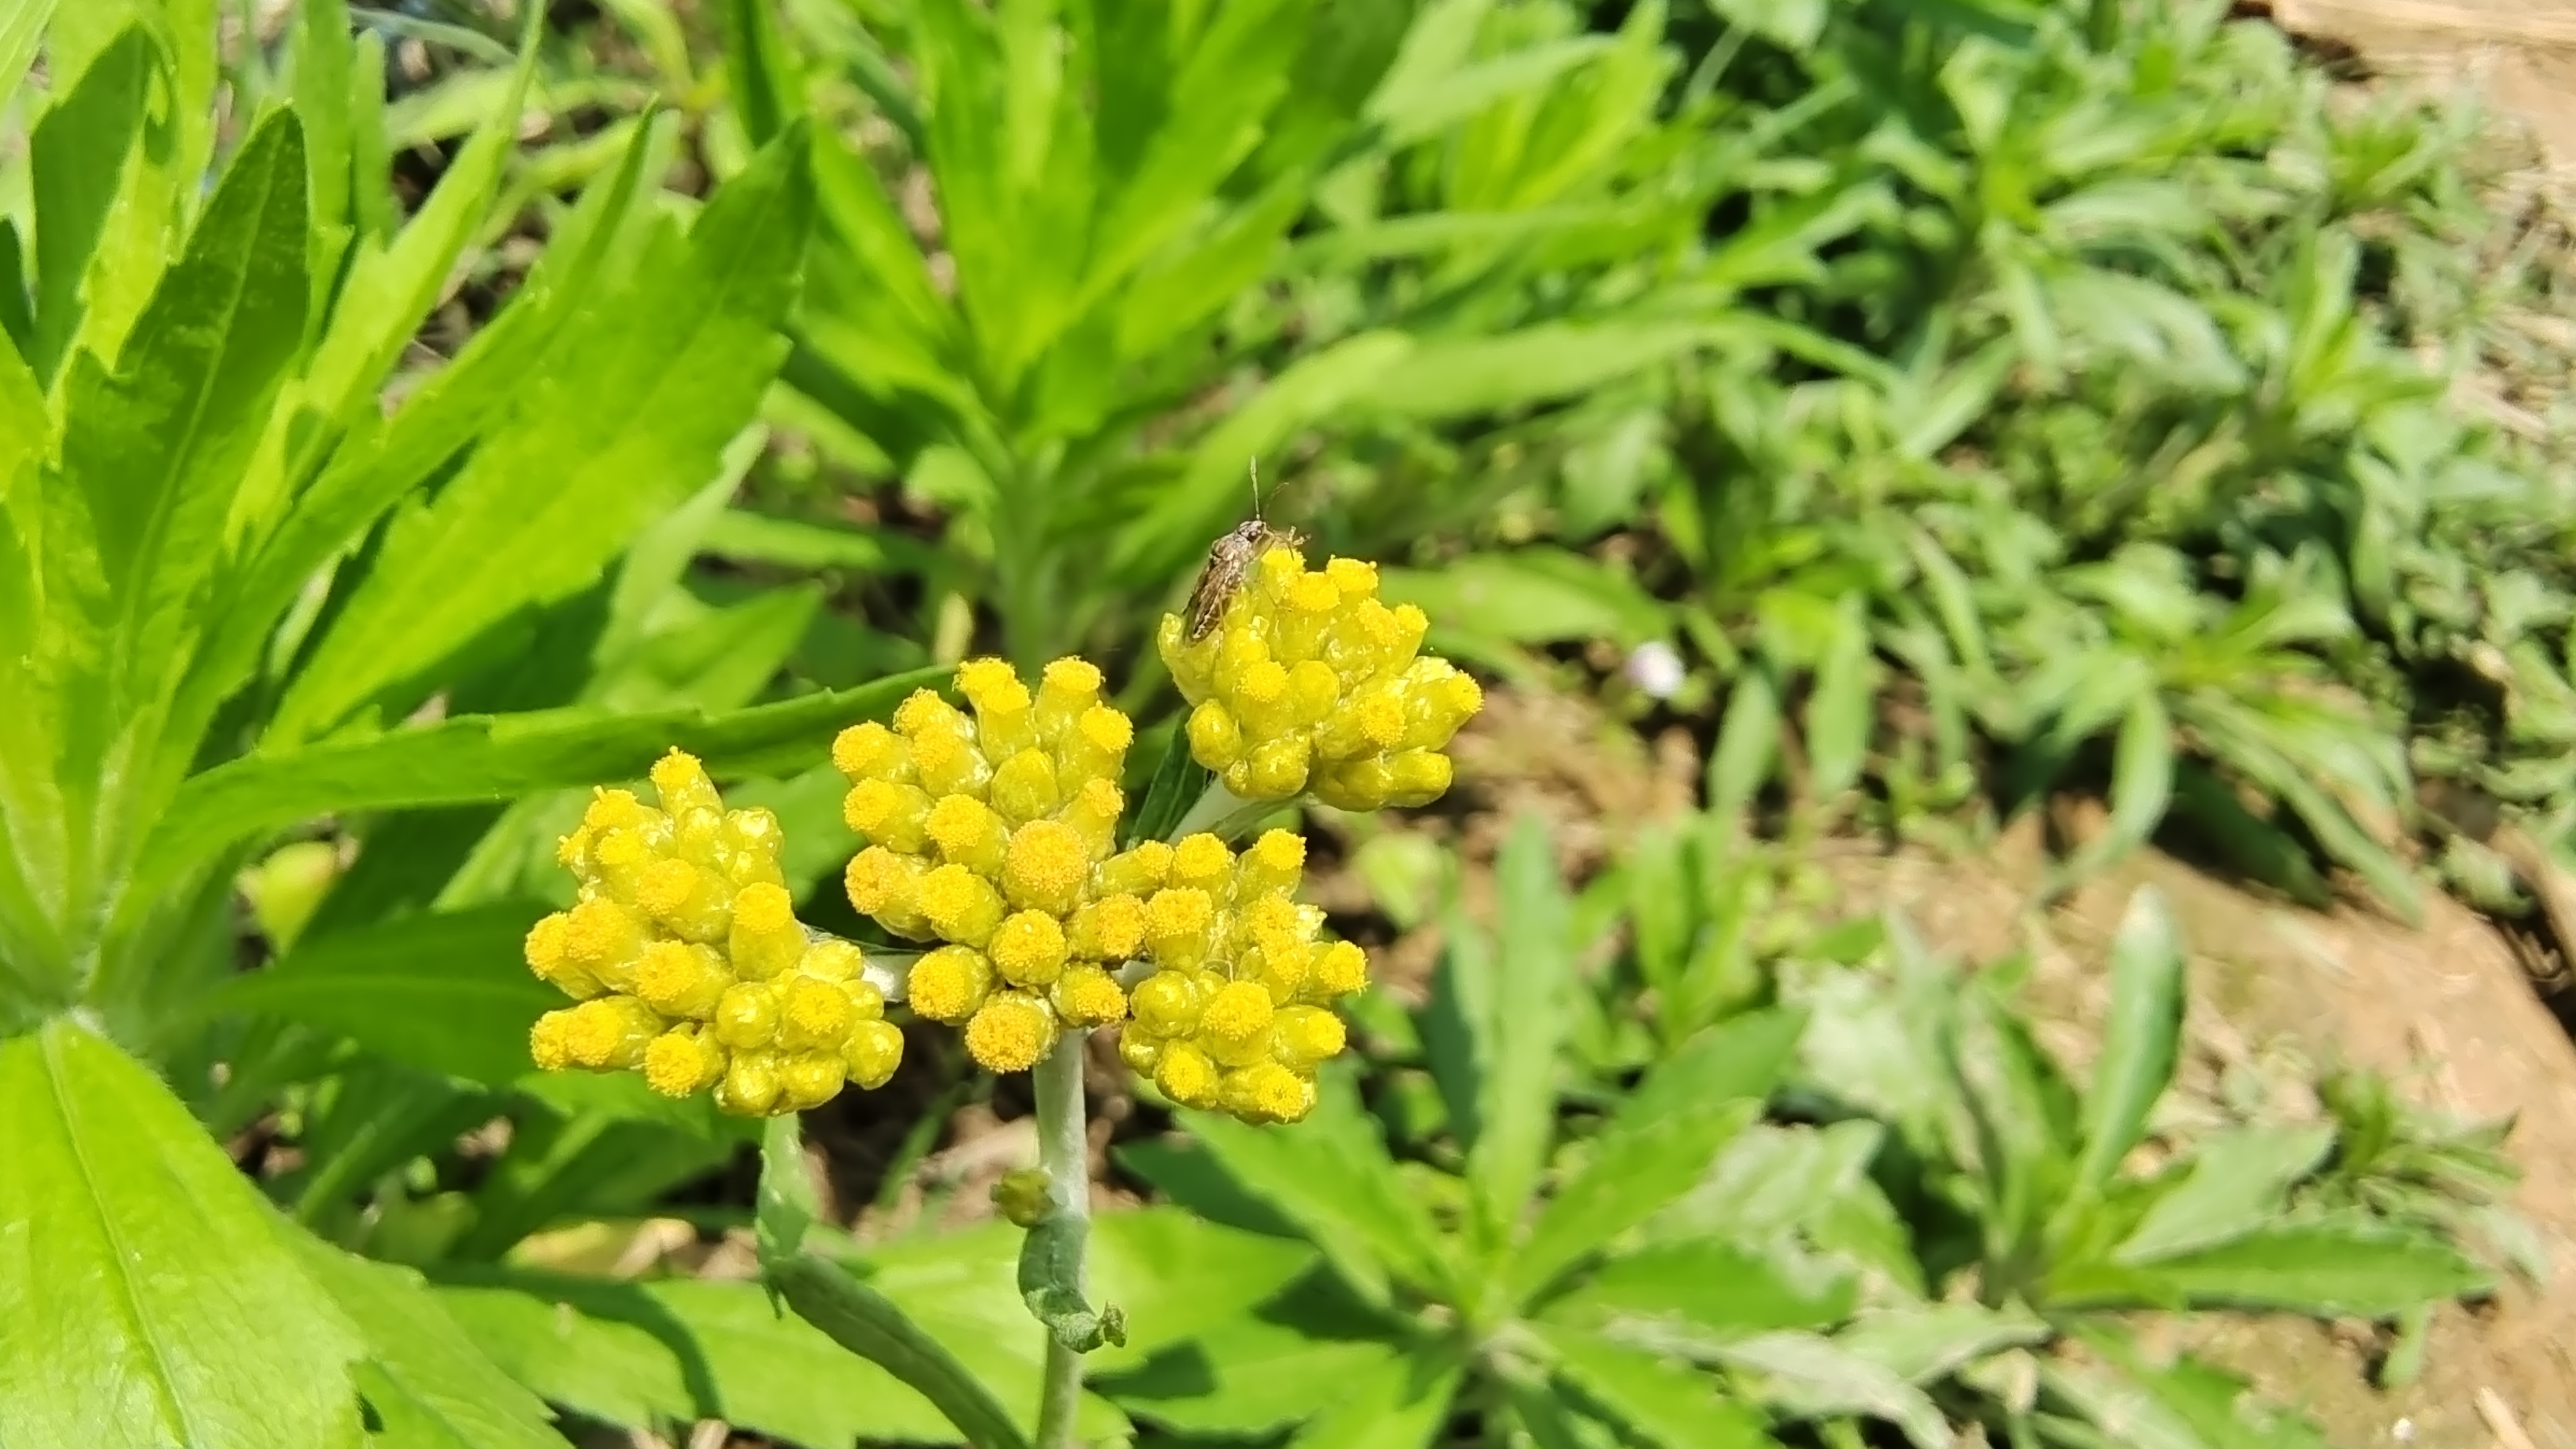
[(688, 962), (1309, 683), (1237, 1013), (986, 834)]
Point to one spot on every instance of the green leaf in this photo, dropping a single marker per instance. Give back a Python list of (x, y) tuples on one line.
[(1330, 1175), (1248, 1376), (1665, 1405), (1688, 1296), (156, 449), (2142, 782), (1808, 1376), (1748, 740), (22, 23), (1449, 379), (1922, 1343), (617, 433), (2201, 1406), (1510, 999), (2239, 1180), (1393, 1402), (145, 1294), (2139, 1041), (494, 757), (759, 73), (428, 1384), (448, 993), (1842, 709), (1640, 1163), (2349, 1265), (93, 194), (1793, 25)]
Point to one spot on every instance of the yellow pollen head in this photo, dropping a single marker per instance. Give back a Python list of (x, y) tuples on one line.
[(1154, 860), (1202, 861), (1354, 578), (764, 908), (1311, 594), (992, 685), (1279, 566), (1177, 912), (1088, 996), (814, 1015), (598, 931), (1377, 625), (613, 810), (1263, 682), (1267, 1092), (1340, 969), (1186, 1075), (1010, 1032), (832, 960), (682, 1062), (1278, 854), (866, 750), (549, 1044), (1107, 730), (958, 823), (1029, 948), (872, 807), (948, 984), (1045, 865), (876, 880), (1117, 926), (958, 904), (665, 887), (875, 1049), (1301, 1036), (545, 945), (1071, 677), (1238, 1013), (1379, 718), (939, 754), (620, 850), (683, 783), (922, 712), (602, 1030)]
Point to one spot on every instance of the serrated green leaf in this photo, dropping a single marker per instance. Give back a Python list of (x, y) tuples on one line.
[(1808, 1376), (1512, 1004), (2238, 1181), (1661, 1403), (1394, 1402), (619, 431), (103, 215), (1640, 1163), (1245, 1377), (145, 1294), (1930, 1341), (2335, 1266), (447, 992), (1684, 1297), (427, 1383)]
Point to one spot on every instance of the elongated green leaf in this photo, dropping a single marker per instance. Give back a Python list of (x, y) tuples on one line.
[(2239, 1181), (622, 430), (1922, 1343), (2140, 1041), (1395, 1402), (1747, 742), (1663, 1404), (1448, 379), (2345, 1265), (1808, 1376), (426, 1382), (2142, 771), (145, 1294), (22, 22), (157, 447), (1532, 596), (1842, 710), (1637, 1167), (1516, 1021), (447, 992), (1685, 1297), (82, 161), (1330, 1176), (489, 757)]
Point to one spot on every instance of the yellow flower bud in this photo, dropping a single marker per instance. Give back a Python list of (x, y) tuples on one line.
[(948, 984), (1025, 787), (765, 938), (1340, 969), (1045, 866), (947, 762), (832, 960), (614, 810), (1139, 1051), (1096, 747), (609, 1033), (1092, 814), (747, 847), (874, 1050), (1176, 926), (1363, 784), (1004, 724), (601, 939), (572, 852), (683, 784), (1216, 741), (683, 1062), (1134, 872), (693, 904), (866, 1002), (813, 1016), (1011, 1031), (887, 813), (1183, 1073), (1301, 1036), (750, 1086), (870, 751), (1088, 996), (1066, 688), (960, 905), (1165, 1004), (1270, 865), (1275, 770), (1356, 579), (810, 1079), (1370, 722), (1416, 778), (1267, 1092), (1439, 698), (1028, 948), (886, 888), (967, 833), (1111, 928), (1239, 1013), (746, 1015), (549, 1043), (678, 979), (618, 859), (550, 957), (1313, 690)]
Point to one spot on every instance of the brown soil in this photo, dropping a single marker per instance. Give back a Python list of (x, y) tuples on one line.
[(2519, 54)]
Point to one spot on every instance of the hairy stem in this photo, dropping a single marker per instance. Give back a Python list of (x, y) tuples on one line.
[(1064, 1153)]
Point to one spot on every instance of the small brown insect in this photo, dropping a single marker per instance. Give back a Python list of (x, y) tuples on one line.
[(1229, 563)]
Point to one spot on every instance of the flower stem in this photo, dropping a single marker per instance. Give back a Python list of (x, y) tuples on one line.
[(1064, 1153)]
